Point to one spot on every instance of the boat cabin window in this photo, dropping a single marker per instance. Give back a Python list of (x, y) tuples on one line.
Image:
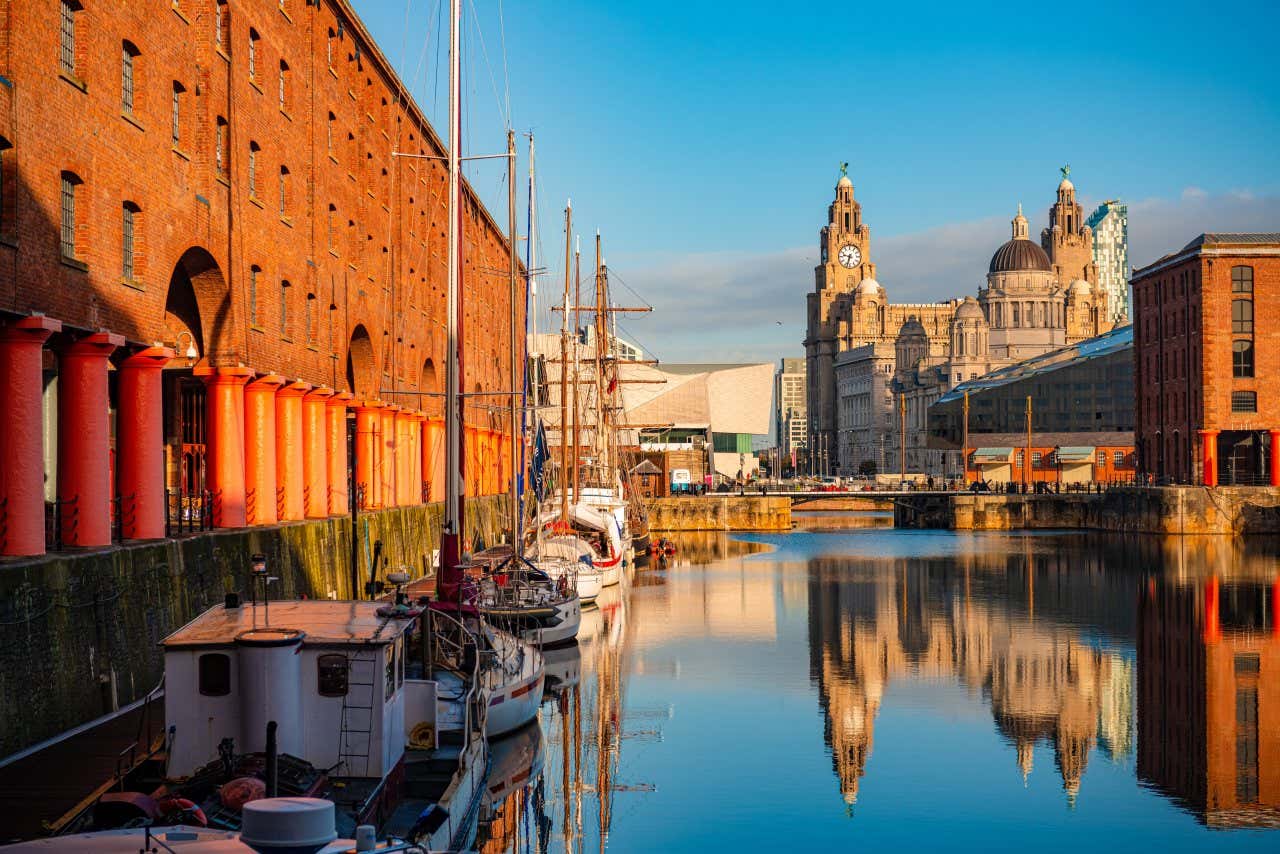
[(332, 675), (392, 666), (215, 674)]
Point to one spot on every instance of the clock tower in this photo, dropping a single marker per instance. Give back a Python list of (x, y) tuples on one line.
[(844, 244), (844, 263)]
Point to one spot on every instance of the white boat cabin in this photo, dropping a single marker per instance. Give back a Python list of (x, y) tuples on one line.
[(330, 674)]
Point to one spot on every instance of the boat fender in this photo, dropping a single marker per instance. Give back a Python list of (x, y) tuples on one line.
[(234, 794), (181, 811)]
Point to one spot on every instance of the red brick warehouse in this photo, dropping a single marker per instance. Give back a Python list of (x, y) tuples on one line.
[(1206, 347), (209, 256)]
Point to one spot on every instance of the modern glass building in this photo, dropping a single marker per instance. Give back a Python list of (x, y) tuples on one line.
[(1110, 224)]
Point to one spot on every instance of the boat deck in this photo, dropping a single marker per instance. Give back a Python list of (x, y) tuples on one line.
[(46, 785)]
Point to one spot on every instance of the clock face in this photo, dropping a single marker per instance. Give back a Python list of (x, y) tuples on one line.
[(850, 256)]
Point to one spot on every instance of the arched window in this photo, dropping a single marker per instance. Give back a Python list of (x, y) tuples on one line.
[(128, 241), (253, 54), (4, 196), (222, 25), (329, 134), (1242, 316), (67, 51), (254, 272), (1242, 358), (333, 216), (70, 183), (253, 169), (284, 192), (284, 86), (178, 89), (222, 143), (284, 308), (128, 76), (310, 319)]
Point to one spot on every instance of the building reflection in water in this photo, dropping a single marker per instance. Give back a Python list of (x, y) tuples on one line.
[(1209, 697), (1043, 635)]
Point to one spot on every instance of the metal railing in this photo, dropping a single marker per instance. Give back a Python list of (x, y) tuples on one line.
[(123, 514), (61, 518), (454, 648), (189, 512)]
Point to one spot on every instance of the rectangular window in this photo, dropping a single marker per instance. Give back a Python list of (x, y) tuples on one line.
[(1102, 458), (215, 674), (284, 192), (1242, 316), (1244, 401), (222, 25), (284, 309), (67, 36), (1036, 457), (68, 217), (126, 80), (331, 675), (1247, 744), (309, 318), (253, 54), (1242, 280), (1118, 458), (127, 224)]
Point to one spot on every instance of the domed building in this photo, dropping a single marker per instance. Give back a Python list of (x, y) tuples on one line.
[(868, 356)]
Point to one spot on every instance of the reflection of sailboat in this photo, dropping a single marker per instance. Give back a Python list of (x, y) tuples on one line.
[(564, 666), (514, 789)]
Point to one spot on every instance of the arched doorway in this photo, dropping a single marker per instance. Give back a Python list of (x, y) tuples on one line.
[(361, 371), (198, 326)]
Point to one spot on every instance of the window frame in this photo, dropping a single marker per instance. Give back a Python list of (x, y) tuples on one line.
[(129, 241), (1244, 401), (1242, 368), (67, 210), (1240, 282), (326, 673), (204, 676), (129, 54), (1242, 325)]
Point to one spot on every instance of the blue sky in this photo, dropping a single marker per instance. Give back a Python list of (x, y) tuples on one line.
[(704, 138)]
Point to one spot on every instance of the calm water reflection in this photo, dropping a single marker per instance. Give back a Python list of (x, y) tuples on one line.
[(961, 691)]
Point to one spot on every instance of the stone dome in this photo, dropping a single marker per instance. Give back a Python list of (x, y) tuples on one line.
[(970, 310), (913, 328), (1066, 185), (1018, 255), (844, 181), (869, 286), (1081, 287)]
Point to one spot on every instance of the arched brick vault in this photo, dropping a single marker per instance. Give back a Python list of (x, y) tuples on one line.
[(198, 303)]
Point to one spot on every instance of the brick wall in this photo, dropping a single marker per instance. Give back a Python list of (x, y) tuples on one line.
[(372, 268)]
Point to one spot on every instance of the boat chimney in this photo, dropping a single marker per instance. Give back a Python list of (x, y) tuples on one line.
[(258, 562), (273, 754)]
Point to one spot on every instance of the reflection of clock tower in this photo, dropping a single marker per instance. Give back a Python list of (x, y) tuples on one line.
[(845, 248)]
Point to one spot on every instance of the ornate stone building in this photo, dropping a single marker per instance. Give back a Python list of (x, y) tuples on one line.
[(1037, 298)]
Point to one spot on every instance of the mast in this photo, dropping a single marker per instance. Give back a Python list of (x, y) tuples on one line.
[(602, 348), (451, 529), (564, 368), (514, 487), (577, 296)]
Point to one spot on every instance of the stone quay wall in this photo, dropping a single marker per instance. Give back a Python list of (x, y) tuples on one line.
[(720, 513), (80, 632), (1230, 511)]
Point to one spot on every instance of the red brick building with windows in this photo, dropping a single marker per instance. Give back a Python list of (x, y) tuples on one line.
[(210, 258), (1206, 339)]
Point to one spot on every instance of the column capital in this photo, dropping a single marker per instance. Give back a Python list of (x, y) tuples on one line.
[(266, 383), (342, 398), (1203, 433), (228, 375), (33, 327), (297, 388), (100, 343), (148, 357), (320, 394)]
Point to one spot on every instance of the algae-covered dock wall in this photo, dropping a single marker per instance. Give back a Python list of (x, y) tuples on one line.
[(80, 632)]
